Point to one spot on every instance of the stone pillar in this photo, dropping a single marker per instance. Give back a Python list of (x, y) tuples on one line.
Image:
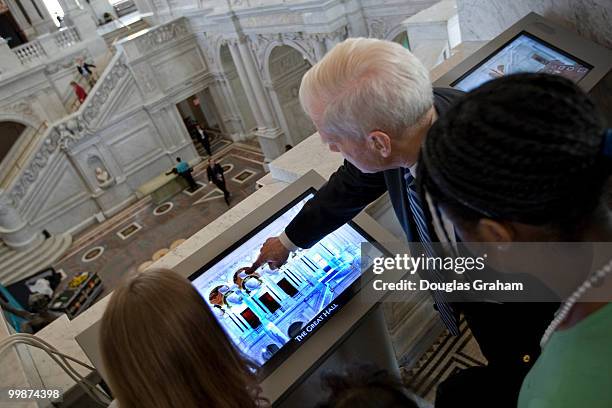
[(37, 20), (330, 43), (270, 136), (47, 42), (280, 114), (228, 109), (14, 230), (255, 81), (319, 49), (246, 84), (85, 25), (8, 60), (21, 19)]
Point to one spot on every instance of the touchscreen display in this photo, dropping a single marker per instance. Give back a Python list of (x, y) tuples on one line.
[(269, 313), (524, 53)]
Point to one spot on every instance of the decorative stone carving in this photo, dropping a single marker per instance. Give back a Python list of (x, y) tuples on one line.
[(211, 44), (67, 133), (163, 34), (68, 61), (94, 103), (23, 109), (382, 27), (102, 176), (260, 44), (271, 20), (377, 28)]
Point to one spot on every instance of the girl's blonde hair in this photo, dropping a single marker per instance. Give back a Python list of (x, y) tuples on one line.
[(162, 347)]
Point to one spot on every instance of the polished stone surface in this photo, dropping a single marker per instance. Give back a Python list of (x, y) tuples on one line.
[(138, 235), (484, 20)]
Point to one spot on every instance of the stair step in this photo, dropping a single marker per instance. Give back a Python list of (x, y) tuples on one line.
[(4, 249), (43, 263), (25, 263)]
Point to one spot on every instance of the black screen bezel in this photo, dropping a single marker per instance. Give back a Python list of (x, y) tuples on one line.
[(291, 346), (533, 37)]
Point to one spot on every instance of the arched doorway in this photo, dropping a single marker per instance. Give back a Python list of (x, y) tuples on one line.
[(402, 38), (14, 140), (229, 68), (287, 66), (9, 133)]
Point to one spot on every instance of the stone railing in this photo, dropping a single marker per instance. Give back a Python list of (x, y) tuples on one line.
[(66, 37), (30, 52), (46, 46), (69, 130)]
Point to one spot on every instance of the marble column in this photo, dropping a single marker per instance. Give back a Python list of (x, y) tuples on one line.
[(270, 136), (246, 84), (227, 107), (330, 42), (36, 19), (21, 19), (8, 60), (14, 230), (319, 49), (280, 114), (255, 81)]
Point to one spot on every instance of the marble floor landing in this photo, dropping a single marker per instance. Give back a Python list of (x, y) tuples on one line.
[(144, 232)]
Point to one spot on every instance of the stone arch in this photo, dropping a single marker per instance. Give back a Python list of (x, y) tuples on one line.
[(395, 32), (284, 80), (306, 51), (12, 135), (25, 120)]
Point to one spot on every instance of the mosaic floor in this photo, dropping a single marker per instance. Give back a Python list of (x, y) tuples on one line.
[(446, 356), (144, 232)]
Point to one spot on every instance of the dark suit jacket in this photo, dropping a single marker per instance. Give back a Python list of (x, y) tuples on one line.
[(349, 190), (214, 173)]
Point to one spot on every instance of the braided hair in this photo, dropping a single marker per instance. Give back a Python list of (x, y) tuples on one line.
[(524, 148)]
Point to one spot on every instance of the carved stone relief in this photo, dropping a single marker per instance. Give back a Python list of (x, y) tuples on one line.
[(381, 27), (271, 20), (22, 109), (68, 62), (161, 35), (69, 132)]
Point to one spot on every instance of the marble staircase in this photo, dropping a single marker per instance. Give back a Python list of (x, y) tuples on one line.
[(122, 31), (15, 265)]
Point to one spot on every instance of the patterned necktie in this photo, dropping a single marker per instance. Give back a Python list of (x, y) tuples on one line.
[(447, 313)]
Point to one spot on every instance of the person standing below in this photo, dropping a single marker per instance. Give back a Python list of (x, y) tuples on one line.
[(79, 91), (85, 71), (214, 171), (184, 170), (372, 101), (204, 139)]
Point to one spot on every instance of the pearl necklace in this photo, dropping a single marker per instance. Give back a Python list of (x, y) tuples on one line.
[(569, 303)]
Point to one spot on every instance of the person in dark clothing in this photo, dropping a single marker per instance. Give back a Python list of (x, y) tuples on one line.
[(214, 172), (535, 143), (184, 170), (372, 101), (85, 71), (204, 139)]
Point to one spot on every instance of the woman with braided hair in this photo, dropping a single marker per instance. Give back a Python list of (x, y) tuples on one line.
[(526, 158)]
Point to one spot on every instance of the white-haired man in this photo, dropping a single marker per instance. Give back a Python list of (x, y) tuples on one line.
[(373, 102)]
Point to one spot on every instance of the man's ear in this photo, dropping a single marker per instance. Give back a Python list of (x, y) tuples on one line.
[(493, 231), (380, 142)]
